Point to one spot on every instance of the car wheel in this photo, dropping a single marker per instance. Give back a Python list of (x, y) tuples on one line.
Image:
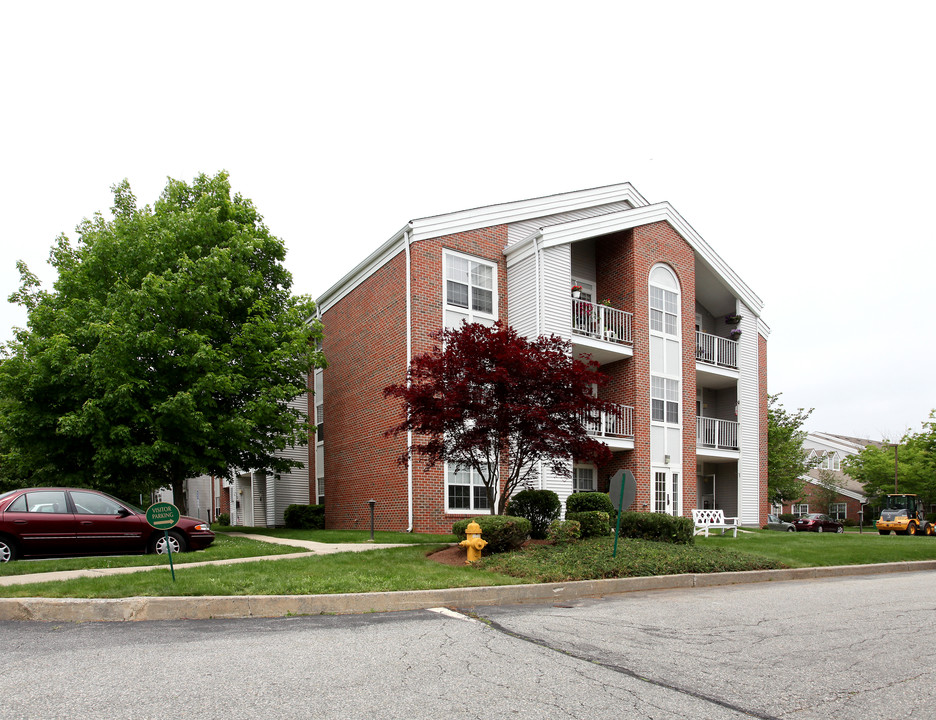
[(819, 529), (911, 529), (176, 543), (840, 529), (7, 550), (791, 529)]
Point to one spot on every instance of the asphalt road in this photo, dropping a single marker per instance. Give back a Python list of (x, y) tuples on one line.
[(834, 648)]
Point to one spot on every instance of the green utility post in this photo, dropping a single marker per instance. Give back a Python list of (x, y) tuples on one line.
[(622, 491)]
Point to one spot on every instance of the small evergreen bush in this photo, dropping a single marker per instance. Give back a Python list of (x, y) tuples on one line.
[(304, 517), (594, 522), (223, 519), (502, 532), (787, 517), (563, 532), (658, 527), (540, 507)]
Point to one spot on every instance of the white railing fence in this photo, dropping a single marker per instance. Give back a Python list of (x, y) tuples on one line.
[(716, 350), (719, 434), (601, 322), (610, 425)]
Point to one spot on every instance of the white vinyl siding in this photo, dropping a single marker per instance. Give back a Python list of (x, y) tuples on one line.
[(521, 289), (749, 419), (557, 300)]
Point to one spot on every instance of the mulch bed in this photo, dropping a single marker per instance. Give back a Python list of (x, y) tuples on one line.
[(457, 555)]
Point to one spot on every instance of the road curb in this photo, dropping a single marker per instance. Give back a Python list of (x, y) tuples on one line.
[(246, 606)]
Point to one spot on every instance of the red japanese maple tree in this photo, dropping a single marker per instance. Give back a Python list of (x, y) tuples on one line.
[(489, 399)]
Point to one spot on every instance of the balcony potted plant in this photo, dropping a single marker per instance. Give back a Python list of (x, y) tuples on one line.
[(606, 302), (732, 319), (576, 291), (735, 334)]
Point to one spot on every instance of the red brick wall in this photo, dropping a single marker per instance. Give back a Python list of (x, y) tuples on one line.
[(365, 346), (811, 498)]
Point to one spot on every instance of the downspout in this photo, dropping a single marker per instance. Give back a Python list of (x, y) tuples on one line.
[(409, 356)]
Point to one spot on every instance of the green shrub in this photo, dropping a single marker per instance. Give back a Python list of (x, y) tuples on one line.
[(787, 517), (502, 532), (223, 519), (583, 502), (850, 522), (563, 532), (304, 517), (540, 507), (931, 517), (658, 527), (595, 523)]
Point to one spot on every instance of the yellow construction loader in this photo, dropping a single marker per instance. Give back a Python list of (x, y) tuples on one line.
[(905, 515)]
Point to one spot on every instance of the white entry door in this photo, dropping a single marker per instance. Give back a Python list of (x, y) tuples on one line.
[(667, 491)]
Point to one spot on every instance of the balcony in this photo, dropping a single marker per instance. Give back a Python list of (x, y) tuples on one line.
[(603, 332), (718, 435), (617, 431), (717, 351), (716, 361)]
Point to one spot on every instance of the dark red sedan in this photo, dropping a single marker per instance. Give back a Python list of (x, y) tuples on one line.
[(73, 521), (817, 522)]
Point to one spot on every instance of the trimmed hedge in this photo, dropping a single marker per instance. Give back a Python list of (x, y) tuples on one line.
[(595, 523), (787, 517), (502, 532), (563, 532), (583, 502), (304, 517), (658, 527), (540, 507)]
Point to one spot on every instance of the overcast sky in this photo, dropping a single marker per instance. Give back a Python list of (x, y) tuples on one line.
[(797, 138)]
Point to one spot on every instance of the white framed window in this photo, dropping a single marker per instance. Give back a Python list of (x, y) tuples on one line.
[(664, 310), (470, 290), (320, 491), (583, 478), (838, 510), (801, 509), (664, 400), (464, 490)]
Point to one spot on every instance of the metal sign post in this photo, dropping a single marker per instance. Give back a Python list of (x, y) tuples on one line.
[(164, 516), (623, 492)]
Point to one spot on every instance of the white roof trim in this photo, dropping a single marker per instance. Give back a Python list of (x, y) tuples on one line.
[(362, 271), (626, 219), (512, 212), (841, 491), (834, 442)]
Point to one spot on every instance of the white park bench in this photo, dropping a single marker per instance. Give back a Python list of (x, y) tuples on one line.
[(705, 520)]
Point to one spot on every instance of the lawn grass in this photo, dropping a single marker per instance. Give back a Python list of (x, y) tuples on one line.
[(340, 536), (223, 548), (595, 559), (351, 572), (806, 549)]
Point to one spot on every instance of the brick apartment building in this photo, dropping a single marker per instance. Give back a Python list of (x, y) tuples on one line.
[(652, 310)]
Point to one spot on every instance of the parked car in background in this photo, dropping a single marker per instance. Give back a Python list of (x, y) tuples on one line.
[(775, 523), (817, 522), (75, 521)]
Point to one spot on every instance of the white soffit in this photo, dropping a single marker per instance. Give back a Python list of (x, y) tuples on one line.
[(625, 220), (465, 220)]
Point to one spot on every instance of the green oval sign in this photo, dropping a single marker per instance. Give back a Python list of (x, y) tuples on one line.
[(163, 515)]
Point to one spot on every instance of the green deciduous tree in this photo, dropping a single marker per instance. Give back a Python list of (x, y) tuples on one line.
[(169, 347), (787, 461), (915, 470)]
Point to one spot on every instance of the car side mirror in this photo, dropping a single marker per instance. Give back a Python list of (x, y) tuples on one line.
[(123, 512)]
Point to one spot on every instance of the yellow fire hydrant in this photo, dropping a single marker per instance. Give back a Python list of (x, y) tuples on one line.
[(473, 542)]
